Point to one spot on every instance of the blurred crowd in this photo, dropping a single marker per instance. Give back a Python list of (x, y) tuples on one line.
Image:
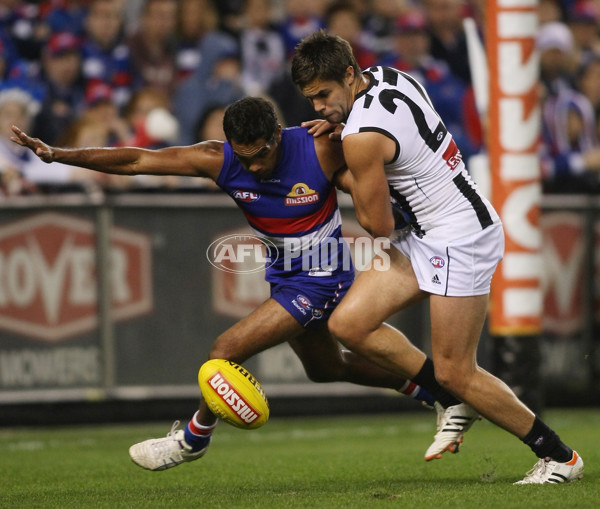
[(154, 73)]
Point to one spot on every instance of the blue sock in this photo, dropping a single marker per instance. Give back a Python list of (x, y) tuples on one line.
[(196, 435), (417, 392), (425, 395)]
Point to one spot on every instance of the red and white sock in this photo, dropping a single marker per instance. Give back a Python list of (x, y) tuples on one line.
[(410, 389), (197, 435)]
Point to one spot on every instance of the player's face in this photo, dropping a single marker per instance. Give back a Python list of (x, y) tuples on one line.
[(330, 99), (333, 100), (261, 157)]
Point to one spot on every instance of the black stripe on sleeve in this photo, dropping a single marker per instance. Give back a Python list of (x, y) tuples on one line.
[(386, 134)]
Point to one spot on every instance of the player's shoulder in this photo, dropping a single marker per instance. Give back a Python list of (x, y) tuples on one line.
[(208, 148), (330, 154), (214, 145), (207, 157)]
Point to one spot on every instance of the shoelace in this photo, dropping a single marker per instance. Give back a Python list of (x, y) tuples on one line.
[(161, 444), (537, 472), (459, 421), (174, 427)]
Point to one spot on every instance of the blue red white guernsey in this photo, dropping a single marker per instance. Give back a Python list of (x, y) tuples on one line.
[(428, 180), (295, 209)]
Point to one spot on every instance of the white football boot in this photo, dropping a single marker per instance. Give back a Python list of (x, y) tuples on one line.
[(163, 453), (452, 423), (547, 470)]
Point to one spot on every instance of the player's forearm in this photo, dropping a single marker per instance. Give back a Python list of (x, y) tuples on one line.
[(373, 210), (119, 161), (379, 223)]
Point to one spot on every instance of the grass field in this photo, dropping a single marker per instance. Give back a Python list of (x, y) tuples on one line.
[(345, 462)]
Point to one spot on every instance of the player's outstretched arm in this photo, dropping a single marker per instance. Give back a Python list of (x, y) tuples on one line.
[(204, 159)]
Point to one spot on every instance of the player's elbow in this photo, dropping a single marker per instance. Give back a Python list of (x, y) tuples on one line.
[(378, 227), (384, 230)]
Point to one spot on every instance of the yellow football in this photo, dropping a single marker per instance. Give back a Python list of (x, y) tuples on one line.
[(233, 394)]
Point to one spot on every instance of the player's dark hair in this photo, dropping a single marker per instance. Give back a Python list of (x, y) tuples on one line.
[(248, 120), (324, 57)]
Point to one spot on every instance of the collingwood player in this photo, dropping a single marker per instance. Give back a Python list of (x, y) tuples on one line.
[(408, 181)]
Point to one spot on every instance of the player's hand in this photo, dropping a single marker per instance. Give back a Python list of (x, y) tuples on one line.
[(42, 150), (319, 127)]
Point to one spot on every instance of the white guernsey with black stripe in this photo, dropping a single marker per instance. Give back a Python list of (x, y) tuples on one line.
[(428, 180)]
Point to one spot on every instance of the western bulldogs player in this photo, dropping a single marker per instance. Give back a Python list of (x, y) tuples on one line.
[(281, 180), (401, 159)]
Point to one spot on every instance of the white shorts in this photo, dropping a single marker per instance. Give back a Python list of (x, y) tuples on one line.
[(453, 267)]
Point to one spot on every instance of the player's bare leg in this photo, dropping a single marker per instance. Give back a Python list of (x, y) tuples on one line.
[(456, 328), (456, 325), (324, 361), (269, 325), (388, 292)]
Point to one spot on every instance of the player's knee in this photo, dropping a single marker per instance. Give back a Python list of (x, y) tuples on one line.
[(451, 377), (223, 349), (341, 328)]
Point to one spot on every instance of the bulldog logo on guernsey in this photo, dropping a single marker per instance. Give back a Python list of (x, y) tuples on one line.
[(301, 194), (233, 399)]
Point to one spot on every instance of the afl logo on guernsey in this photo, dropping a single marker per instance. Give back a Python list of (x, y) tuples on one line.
[(437, 262), (245, 196), (301, 194)]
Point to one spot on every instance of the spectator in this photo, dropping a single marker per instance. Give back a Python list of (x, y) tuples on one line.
[(217, 79), (588, 82), (583, 21), (22, 23), (210, 125), (379, 24), (132, 10), (17, 107), (9, 66), (294, 108), (447, 36), (448, 93), (557, 62), (101, 107), (148, 115), (153, 45), (263, 54), (341, 18), (550, 11), (195, 18), (65, 15), (230, 13), (16, 72), (8, 55), (85, 132), (64, 92), (301, 19), (105, 57), (572, 150)]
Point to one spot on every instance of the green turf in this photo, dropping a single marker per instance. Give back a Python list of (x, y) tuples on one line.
[(346, 462)]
